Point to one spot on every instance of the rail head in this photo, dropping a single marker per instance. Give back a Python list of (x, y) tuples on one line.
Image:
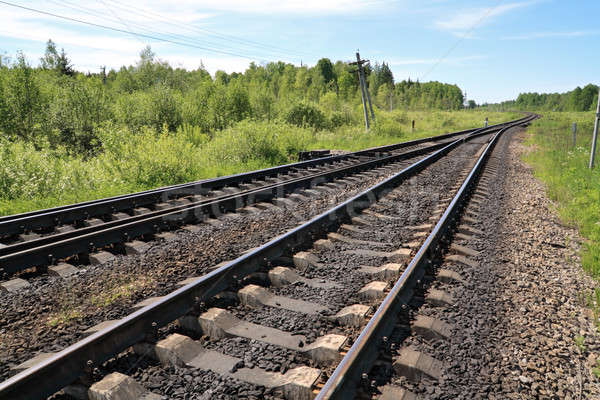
[(346, 378)]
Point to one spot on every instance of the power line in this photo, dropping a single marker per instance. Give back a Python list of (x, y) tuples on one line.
[(210, 32), (125, 31), (123, 22), (460, 40), (174, 36)]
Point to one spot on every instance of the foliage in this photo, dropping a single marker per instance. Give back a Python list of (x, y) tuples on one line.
[(563, 167), (131, 161), (66, 136), (306, 114), (577, 99), (52, 60)]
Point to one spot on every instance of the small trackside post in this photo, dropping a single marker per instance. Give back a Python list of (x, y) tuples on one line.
[(595, 138), (574, 129)]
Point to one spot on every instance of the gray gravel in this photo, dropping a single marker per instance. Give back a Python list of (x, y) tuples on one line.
[(54, 313), (518, 318), (156, 272)]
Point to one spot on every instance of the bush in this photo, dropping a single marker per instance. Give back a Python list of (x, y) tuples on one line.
[(306, 114), (76, 111), (256, 143)]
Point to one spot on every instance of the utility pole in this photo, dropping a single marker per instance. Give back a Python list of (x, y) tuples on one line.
[(363, 88), (103, 75), (595, 138), (359, 63)]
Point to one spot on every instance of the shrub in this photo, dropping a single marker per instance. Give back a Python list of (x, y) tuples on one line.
[(305, 114)]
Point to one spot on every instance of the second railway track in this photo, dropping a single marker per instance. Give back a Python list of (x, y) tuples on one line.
[(307, 308)]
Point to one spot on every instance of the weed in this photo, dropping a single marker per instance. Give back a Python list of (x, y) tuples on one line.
[(580, 342), (64, 316), (570, 183), (596, 369)]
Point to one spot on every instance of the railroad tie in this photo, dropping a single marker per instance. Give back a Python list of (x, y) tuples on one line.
[(179, 350), (218, 323), (333, 236), (386, 271), (62, 270), (281, 276), (120, 386), (256, 296), (415, 365), (391, 392)]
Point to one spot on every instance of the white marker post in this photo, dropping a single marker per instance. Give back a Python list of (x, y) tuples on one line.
[(595, 138), (574, 129), (486, 122)]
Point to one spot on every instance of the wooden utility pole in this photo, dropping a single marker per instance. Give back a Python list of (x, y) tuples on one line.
[(363, 88), (103, 75)]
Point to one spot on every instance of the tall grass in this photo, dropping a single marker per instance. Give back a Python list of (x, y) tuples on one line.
[(563, 167), (42, 176)]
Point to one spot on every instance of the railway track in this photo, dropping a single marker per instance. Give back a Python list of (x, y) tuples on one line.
[(80, 233), (331, 352)]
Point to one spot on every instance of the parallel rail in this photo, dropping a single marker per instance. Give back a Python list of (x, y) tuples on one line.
[(66, 366), (46, 250), (346, 378), (43, 219)]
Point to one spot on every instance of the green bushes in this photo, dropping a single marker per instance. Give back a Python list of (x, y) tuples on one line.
[(571, 184), (22, 101), (306, 114), (77, 110)]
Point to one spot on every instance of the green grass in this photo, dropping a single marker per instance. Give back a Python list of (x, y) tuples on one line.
[(563, 167), (36, 177)]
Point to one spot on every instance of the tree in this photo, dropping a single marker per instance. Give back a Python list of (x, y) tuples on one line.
[(325, 68), (52, 60), (472, 104), (23, 101)]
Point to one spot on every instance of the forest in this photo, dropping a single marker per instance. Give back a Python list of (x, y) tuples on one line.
[(53, 103), (67, 136), (577, 99)]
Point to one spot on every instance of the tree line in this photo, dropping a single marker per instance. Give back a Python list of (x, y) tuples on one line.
[(52, 104), (578, 99)]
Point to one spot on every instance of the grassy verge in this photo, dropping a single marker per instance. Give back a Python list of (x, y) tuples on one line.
[(37, 176), (563, 167)]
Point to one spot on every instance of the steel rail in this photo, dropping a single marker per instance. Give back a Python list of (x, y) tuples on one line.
[(19, 223), (346, 378), (48, 249), (65, 367)]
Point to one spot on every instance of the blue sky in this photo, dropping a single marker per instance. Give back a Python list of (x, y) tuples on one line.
[(492, 49)]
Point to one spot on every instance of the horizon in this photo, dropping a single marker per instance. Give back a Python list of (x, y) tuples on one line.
[(489, 49)]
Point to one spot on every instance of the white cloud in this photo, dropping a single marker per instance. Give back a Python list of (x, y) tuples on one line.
[(88, 45), (462, 23), (289, 6), (455, 61), (542, 35)]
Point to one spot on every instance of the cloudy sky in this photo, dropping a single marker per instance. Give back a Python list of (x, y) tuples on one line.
[(492, 49)]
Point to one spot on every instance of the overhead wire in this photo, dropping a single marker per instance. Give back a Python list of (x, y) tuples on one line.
[(210, 32), (461, 39), (126, 31), (175, 36)]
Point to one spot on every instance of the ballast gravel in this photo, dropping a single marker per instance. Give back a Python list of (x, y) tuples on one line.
[(53, 313), (40, 318), (521, 326)]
